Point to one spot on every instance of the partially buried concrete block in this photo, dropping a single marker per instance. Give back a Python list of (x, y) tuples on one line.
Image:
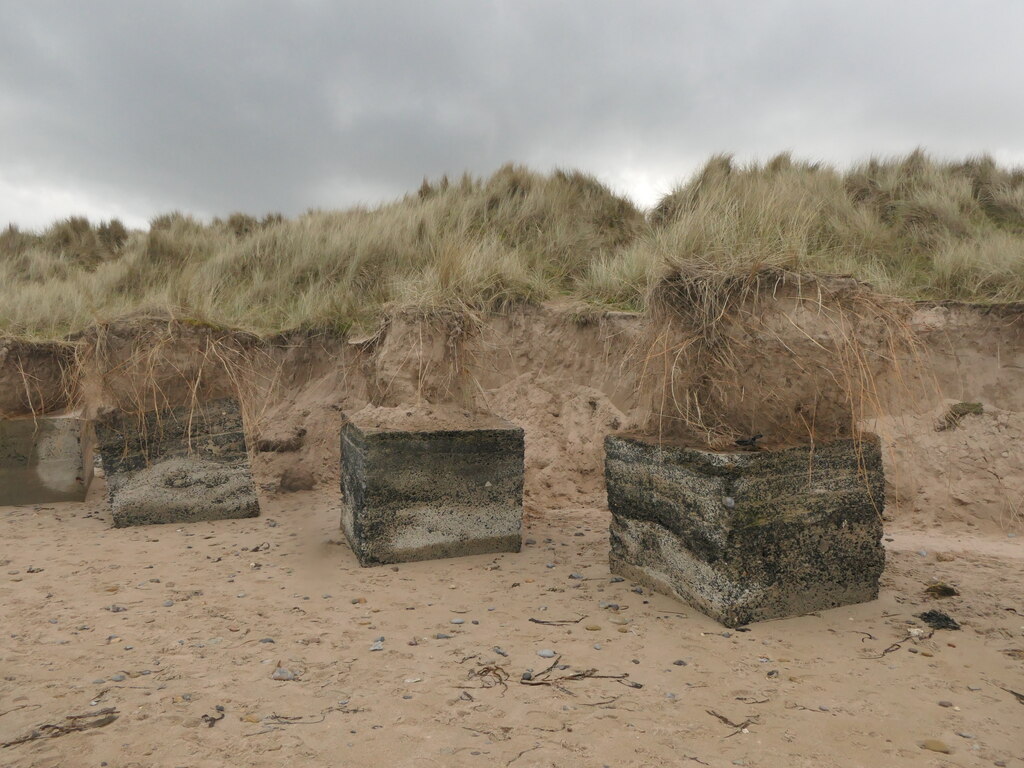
[(748, 536), (177, 465), (44, 459), (419, 492)]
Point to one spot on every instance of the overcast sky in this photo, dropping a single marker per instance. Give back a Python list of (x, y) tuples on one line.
[(135, 108)]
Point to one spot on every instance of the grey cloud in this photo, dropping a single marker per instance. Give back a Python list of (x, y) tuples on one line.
[(263, 106)]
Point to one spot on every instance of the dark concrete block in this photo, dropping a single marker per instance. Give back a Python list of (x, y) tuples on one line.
[(427, 494), (748, 536), (177, 465), (45, 459)]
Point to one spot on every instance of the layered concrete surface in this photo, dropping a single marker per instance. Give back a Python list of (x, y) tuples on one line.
[(45, 459), (421, 494), (177, 465), (748, 536)]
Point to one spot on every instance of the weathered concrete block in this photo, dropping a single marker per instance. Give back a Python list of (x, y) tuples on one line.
[(748, 536), (45, 459), (421, 494), (177, 465)]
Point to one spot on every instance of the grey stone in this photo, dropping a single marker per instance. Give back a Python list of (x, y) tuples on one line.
[(45, 459), (546, 654), (804, 533), (177, 465), (422, 495)]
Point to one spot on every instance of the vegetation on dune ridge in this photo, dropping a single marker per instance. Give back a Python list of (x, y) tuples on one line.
[(911, 226)]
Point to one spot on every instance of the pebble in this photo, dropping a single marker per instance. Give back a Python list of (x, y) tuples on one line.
[(528, 675), (963, 735), (377, 646), (117, 608), (671, 696), (530, 541), (617, 579), (549, 565), (282, 673), (99, 681), (923, 552), (946, 704), (500, 651), (679, 663), (458, 621), (117, 678), (728, 502), (973, 688), (934, 745), (546, 653), (442, 636), (240, 594), (597, 646), (592, 627), (168, 603), (575, 575), (267, 640)]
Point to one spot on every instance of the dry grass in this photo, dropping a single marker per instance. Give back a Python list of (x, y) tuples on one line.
[(912, 227)]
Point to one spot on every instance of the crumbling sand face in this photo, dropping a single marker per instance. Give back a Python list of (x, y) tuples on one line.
[(36, 378), (569, 381)]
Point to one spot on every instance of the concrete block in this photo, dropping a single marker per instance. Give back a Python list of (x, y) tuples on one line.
[(177, 465), (422, 494), (748, 536), (45, 459)]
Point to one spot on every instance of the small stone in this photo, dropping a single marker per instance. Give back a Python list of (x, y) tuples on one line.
[(973, 688), (117, 609), (934, 745), (546, 653), (597, 646), (529, 542), (117, 678), (946, 704), (266, 640), (823, 709), (168, 603), (528, 675), (500, 651), (358, 600), (592, 627), (549, 565), (671, 696), (377, 646), (458, 621), (281, 673), (679, 663), (617, 579), (963, 735), (575, 575), (442, 636), (728, 502), (923, 553)]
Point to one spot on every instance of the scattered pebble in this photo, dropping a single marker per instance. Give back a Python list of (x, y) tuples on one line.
[(377, 646), (267, 640), (963, 735), (118, 678), (597, 646), (934, 745), (116, 608), (617, 579), (442, 636), (546, 653), (168, 603), (679, 663), (728, 502), (500, 651), (575, 575), (458, 621), (946, 704), (281, 673)]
